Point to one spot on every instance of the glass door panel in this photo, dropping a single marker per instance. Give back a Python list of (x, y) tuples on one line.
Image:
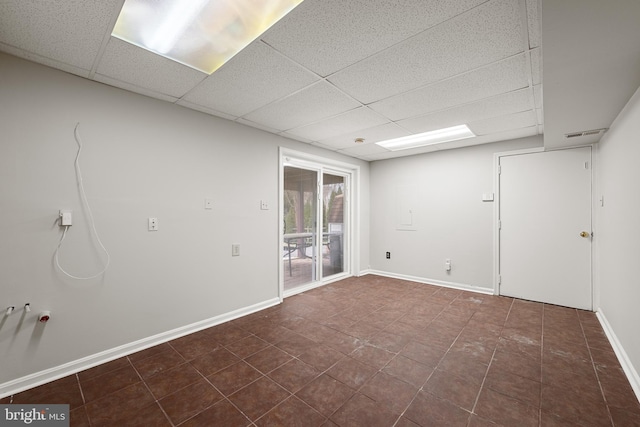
[(333, 224), (300, 238)]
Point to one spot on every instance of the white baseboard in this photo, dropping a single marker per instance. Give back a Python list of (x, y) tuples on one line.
[(452, 285), (57, 372), (627, 366)]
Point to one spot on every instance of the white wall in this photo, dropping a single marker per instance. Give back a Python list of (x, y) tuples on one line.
[(141, 158), (451, 220), (616, 235)]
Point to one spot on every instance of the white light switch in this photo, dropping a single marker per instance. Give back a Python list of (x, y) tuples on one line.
[(235, 250), (487, 197)]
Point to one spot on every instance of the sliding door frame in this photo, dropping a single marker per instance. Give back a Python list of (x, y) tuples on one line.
[(352, 201)]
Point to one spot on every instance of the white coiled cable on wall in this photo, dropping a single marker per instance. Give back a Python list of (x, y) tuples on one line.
[(83, 196)]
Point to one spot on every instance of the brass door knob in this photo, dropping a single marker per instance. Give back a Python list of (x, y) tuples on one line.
[(585, 234)]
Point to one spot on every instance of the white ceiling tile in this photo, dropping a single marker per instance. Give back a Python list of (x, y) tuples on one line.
[(403, 153), (496, 137), (133, 88), (70, 32), (311, 104), (206, 110), (353, 30), (363, 150), (139, 67), (508, 103), (488, 33), (504, 76), (72, 69), (504, 123), (257, 125), (536, 66), (296, 137), (253, 78), (353, 120), (537, 95), (533, 22), (371, 135)]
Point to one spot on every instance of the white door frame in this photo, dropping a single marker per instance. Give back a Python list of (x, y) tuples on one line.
[(496, 212), (352, 200)]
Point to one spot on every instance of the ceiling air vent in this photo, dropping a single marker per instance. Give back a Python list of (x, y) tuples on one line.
[(586, 133)]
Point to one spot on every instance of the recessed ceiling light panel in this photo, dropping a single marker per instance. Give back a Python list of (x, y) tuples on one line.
[(439, 136), (202, 34)]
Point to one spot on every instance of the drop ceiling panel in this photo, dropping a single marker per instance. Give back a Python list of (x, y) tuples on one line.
[(203, 109), (537, 96), (255, 77), (401, 153), (133, 88), (370, 135), (363, 150), (501, 77), (258, 126), (488, 33), (139, 67), (496, 137), (501, 105), (72, 69), (360, 118), (351, 31), (536, 66), (504, 123), (533, 22), (316, 102), (70, 32)]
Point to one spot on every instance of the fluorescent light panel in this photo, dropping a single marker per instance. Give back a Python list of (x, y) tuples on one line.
[(439, 136), (202, 34)]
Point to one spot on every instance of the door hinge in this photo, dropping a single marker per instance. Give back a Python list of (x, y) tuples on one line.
[(499, 225), (499, 279)]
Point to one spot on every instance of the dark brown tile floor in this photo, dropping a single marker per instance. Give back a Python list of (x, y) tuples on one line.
[(367, 351)]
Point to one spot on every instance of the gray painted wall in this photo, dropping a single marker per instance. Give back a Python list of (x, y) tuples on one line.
[(445, 192), (141, 158), (616, 235)]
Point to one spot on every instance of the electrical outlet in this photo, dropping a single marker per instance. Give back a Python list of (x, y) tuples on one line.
[(388, 255), (264, 205), (208, 203), (153, 224), (447, 265), (235, 250)]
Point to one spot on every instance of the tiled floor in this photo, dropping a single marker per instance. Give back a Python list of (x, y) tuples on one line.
[(367, 351)]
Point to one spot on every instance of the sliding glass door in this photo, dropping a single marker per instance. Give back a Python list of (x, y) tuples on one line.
[(300, 238), (333, 224), (314, 210)]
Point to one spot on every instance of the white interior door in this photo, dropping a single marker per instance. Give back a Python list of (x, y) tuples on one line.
[(545, 227)]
